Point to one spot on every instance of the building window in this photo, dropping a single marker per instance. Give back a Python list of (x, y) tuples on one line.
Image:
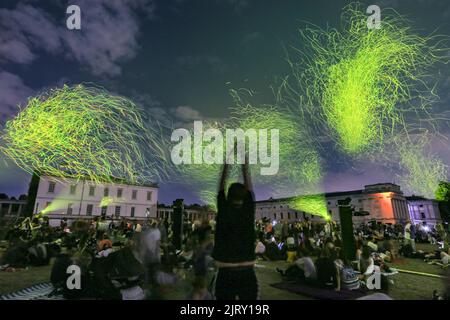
[(91, 191), (117, 211), (134, 194), (73, 188), (69, 208), (119, 193), (274, 215), (89, 209), (296, 215), (147, 212), (328, 202), (282, 216), (104, 210), (106, 192), (51, 187), (422, 215), (289, 216), (149, 196), (132, 212)]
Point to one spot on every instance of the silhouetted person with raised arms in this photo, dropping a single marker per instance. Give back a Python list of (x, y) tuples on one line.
[(234, 245)]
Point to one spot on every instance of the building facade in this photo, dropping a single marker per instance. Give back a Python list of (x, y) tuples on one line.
[(72, 199), (190, 212), (423, 210), (12, 208), (383, 202)]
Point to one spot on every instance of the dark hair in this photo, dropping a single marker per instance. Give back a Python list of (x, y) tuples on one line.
[(365, 252), (236, 192)]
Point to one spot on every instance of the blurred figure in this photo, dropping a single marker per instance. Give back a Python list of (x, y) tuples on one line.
[(234, 245)]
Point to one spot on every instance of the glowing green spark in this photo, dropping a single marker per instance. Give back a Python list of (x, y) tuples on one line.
[(83, 132), (310, 204), (423, 171), (359, 82), (443, 191)]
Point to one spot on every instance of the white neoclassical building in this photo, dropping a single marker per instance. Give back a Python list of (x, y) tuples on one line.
[(84, 199), (382, 202), (423, 210)]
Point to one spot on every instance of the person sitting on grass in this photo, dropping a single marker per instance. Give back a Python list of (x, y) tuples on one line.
[(104, 247), (326, 269), (302, 269), (439, 257), (346, 277), (260, 248)]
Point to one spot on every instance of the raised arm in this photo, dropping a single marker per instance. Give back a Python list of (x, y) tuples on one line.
[(223, 178), (246, 174)]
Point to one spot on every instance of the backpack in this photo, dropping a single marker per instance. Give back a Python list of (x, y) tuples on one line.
[(350, 278)]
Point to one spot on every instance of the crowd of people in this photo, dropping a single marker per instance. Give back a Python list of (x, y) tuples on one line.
[(125, 259)]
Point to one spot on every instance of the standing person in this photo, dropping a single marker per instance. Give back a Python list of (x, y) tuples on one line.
[(409, 235), (234, 245)]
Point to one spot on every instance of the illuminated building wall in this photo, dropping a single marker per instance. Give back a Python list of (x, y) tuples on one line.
[(384, 202), (83, 199), (423, 210)]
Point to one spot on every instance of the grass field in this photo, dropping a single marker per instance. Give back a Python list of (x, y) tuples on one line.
[(405, 287)]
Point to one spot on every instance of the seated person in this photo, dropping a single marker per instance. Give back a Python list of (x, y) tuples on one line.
[(346, 277), (387, 249), (104, 247), (273, 251), (439, 257), (302, 269), (260, 248), (291, 249), (325, 267), (371, 243), (367, 266)]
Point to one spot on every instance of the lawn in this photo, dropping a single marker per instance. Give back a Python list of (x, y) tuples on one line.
[(406, 286)]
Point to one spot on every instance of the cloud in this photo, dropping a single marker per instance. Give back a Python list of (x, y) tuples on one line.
[(214, 63), (251, 37), (187, 113), (237, 5), (13, 91), (108, 35)]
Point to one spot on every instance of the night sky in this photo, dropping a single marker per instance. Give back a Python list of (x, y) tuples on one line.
[(178, 59)]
